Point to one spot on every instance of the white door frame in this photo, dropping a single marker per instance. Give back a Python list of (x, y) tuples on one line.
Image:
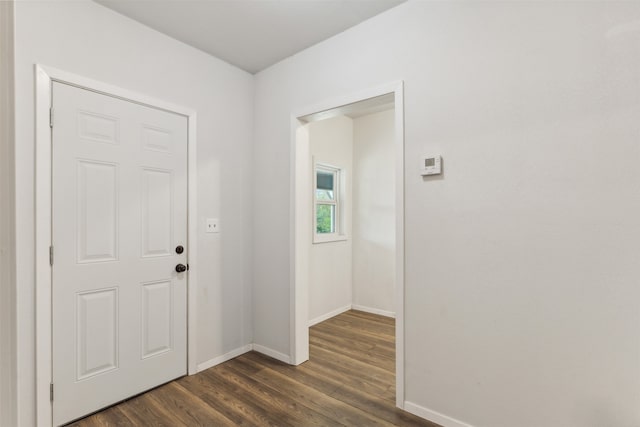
[(45, 76), (299, 289)]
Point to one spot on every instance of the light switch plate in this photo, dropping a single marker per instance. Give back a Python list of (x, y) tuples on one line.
[(213, 225)]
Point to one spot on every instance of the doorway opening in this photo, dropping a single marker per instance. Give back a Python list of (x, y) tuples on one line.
[(348, 233)]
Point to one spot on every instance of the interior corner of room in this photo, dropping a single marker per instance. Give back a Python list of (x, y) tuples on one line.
[(356, 269)]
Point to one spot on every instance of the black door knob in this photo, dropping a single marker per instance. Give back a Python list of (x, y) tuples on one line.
[(181, 268)]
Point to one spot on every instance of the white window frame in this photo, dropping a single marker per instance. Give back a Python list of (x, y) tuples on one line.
[(338, 202)]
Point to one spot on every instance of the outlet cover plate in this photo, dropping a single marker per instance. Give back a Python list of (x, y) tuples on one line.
[(213, 225)]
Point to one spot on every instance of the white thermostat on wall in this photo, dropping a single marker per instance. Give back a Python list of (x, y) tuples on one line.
[(431, 165)]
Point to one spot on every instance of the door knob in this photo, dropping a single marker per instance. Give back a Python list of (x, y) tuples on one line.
[(181, 268)]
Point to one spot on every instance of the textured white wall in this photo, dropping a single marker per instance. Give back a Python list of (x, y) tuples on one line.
[(374, 226), (8, 399), (331, 142), (522, 297), (87, 39)]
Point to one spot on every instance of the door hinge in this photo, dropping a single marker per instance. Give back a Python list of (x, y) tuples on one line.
[(51, 255), (51, 392), (51, 117)]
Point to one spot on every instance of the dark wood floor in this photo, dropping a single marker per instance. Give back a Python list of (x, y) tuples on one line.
[(349, 380)]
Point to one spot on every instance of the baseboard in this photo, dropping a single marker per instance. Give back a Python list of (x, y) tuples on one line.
[(242, 350), (283, 357), (221, 359), (373, 310), (433, 416), (329, 315), (272, 353)]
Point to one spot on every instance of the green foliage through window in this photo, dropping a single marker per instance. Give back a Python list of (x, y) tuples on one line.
[(327, 204), (325, 218)]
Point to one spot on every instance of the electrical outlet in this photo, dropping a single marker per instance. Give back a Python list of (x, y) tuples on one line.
[(213, 225)]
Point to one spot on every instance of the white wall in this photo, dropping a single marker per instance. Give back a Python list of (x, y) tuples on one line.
[(330, 272), (358, 271), (374, 226), (87, 39), (522, 302), (7, 220)]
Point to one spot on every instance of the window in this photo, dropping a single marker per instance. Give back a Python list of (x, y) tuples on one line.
[(327, 212)]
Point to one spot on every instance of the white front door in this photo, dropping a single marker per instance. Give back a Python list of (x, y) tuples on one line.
[(119, 215)]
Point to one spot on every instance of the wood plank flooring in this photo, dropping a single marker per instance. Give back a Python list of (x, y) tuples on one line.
[(349, 380)]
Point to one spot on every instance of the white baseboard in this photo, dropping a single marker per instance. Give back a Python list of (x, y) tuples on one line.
[(221, 359), (283, 357), (433, 416), (329, 315), (272, 353), (373, 310), (242, 350)]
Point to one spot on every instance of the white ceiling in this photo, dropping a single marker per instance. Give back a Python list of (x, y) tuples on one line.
[(251, 34)]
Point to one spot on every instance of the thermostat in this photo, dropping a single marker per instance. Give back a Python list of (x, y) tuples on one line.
[(431, 165)]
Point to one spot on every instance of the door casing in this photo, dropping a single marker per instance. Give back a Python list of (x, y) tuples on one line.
[(45, 76)]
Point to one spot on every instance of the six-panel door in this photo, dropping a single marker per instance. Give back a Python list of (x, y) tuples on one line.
[(119, 211)]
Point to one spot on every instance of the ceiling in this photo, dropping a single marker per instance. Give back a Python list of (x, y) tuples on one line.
[(250, 34)]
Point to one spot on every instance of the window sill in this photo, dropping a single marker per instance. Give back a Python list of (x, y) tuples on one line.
[(330, 238)]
